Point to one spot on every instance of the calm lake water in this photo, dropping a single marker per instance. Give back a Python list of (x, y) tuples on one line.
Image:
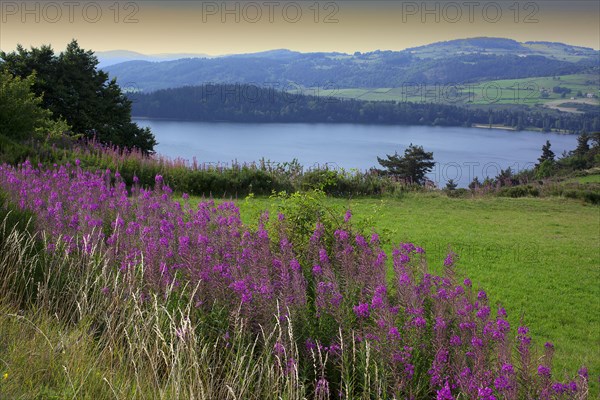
[(460, 153)]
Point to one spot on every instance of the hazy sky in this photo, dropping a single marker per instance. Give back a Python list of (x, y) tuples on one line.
[(246, 26)]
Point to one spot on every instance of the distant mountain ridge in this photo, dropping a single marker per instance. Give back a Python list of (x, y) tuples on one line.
[(112, 57), (454, 61)]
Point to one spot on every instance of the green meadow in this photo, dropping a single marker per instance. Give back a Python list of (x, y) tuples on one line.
[(525, 91)]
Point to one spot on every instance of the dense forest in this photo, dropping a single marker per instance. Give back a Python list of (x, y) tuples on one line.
[(249, 103)]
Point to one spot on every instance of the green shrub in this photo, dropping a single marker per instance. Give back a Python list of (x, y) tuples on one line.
[(519, 191)]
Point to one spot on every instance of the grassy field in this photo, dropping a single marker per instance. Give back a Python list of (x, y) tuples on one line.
[(509, 91), (538, 257), (587, 179)]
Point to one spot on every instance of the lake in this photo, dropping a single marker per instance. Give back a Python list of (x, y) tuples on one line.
[(460, 153)]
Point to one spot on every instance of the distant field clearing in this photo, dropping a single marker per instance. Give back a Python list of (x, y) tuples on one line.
[(557, 104)]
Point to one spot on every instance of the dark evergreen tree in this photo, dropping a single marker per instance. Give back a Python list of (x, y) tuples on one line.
[(582, 145), (475, 184), (505, 177), (451, 185), (547, 154), (413, 166), (74, 89)]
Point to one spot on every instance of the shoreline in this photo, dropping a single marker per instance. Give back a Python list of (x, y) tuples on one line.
[(478, 126)]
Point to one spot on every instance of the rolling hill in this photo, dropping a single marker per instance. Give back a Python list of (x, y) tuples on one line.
[(457, 61)]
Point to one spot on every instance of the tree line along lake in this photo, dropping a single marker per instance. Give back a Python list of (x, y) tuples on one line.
[(460, 153)]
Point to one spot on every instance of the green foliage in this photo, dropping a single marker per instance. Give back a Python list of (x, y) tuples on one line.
[(21, 111), (303, 210), (78, 94), (588, 192), (545, 169), (458, 193), (582, 145), (519, 191), (13, 152)]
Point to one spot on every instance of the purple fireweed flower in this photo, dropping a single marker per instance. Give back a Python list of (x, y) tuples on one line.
[(403, 258), (394, 333), (317, 270), (483, 313), (348, 216), (374, 238), (291, 365), (295, 265), (334, 349), (449, 261), (486, 394), (361, 241), (543, 370), (278, 348), (476, 342), (323, 258), (362, 310), (408, 247), (455, 340), (559, 388), (522, 330), (467, 282), (444, 393), (409, 369), (502, 325), (372, 337), (318, 233), (440, 324), (419, 322), (467, 326), (502, 383), (377, 302), (481, 295), (322, 389), (404, 279), (549, 345), (341, 235), (508, 369), (583, 372)]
